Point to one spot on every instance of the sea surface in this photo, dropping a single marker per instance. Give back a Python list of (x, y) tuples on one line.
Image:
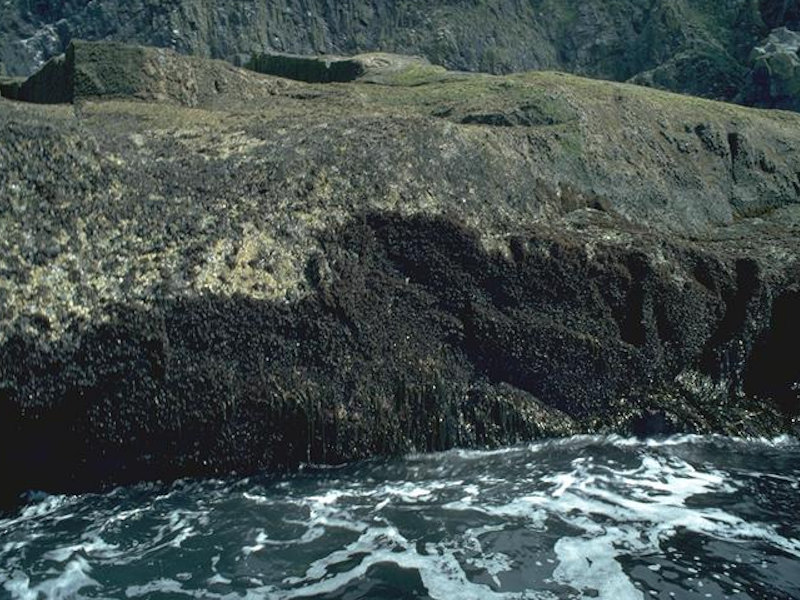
[(587, 517)]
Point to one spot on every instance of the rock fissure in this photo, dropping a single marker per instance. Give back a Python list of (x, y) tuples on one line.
[(734, 148)]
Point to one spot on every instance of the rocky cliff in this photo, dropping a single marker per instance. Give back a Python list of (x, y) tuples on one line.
[(701, 47), (774, 81), (204, 269)]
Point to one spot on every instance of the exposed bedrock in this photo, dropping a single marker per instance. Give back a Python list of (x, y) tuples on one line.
[(268, 272), (692, 46)]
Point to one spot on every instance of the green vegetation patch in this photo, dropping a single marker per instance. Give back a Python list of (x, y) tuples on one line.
[(107, 69)]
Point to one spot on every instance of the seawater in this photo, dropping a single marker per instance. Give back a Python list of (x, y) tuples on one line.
[(587, 517)]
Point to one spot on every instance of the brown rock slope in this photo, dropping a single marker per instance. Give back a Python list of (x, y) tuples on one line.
[(263, 272)]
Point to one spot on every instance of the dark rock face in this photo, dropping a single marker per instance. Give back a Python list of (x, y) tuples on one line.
[(114, 70), (264, 272), (691, 46), (779, 13), (52, 84), (308, 69), (774, 372), (774, 79), (414, 339)]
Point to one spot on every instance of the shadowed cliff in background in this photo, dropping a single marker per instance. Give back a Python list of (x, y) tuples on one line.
[(700, 47), (205, 269)]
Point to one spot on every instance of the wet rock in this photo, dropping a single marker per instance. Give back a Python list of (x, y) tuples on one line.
[(774, 371)]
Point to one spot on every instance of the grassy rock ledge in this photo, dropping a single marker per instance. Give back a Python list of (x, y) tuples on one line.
[(205, 269)]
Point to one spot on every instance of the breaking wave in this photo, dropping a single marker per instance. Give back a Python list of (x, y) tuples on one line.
[(586, 517)]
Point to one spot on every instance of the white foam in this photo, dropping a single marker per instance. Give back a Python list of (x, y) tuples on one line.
[(94, 546), (126, 515), (162, 586), (326, 499), (261, 541), (493, 563), (66, 586), (218, 579), (614, 509), (258, 499), (609, 510), (589, 564), (439, 569), (44, 508)]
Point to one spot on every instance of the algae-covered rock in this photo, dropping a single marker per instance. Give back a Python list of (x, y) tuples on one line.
[(277, 272)]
